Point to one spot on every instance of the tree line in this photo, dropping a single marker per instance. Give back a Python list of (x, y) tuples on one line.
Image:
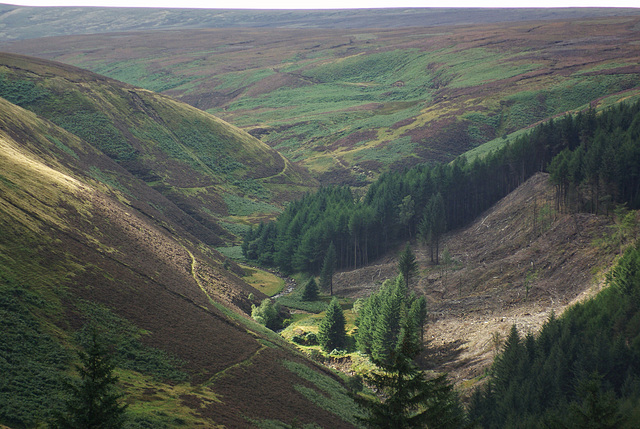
[(593, 159), (582, 370)]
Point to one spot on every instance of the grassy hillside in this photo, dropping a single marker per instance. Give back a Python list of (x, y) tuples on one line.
[(349, 104), (76, 247), (208, 169)]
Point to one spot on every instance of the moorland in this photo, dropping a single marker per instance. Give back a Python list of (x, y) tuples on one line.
[(162, 176)]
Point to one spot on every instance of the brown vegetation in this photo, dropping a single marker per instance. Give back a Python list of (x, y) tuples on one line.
[(505, 269)]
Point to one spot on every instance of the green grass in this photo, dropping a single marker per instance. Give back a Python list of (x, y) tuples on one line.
[(332, 396), (265, 282), (136, 73), (19, 91), (98, 129), (240, 206), (31, 359), (294, 300)]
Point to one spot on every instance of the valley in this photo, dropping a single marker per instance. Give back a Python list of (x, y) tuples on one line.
[(482, 291), (161, 177)]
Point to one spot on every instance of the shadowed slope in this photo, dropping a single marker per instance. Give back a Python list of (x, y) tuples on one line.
[(69, 240)]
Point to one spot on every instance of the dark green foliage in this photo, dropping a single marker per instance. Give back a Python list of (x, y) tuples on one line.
[(594, 160), (389, 319), (310, 291), (20, 92), (129, 350), (267, 314), (407, 265), (581, 367), (418, 313), (308, 339), (433, 225), (93, 402), (328, 269), (410, 399), (31, 360), (97, 129), (407, 398), (331, 332)]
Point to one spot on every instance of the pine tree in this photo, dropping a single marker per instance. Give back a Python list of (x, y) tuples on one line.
[(328, 268), (408, 398), (418, 313), (331, 332), (407, 264), (310, 291), (93, 402)]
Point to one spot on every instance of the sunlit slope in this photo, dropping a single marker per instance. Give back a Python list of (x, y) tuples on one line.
[(197, 161), (352, 103), (75, 249)]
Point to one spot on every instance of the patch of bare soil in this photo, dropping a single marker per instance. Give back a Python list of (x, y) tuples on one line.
[(519, 262)]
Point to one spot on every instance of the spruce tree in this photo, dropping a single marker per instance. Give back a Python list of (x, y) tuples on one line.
[(328, 269), (407, 264), (418, 313), (408, 398), (93, 401), (310, 291), (331, 332)]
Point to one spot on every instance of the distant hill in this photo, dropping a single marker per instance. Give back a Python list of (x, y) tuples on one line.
[(350, 104), (20, 22), (84, 238)]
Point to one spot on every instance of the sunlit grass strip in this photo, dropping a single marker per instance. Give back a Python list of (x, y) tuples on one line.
[(334, 398), (264, 281)]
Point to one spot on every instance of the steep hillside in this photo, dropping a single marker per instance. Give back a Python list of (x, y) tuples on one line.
[(75, 249), (349, 104), (516, 264), (212, 171)]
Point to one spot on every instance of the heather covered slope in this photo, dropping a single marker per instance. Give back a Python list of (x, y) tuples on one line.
[(207, 168), (75, 247), (349, 104)]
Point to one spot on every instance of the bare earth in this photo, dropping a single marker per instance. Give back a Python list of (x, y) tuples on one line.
[(483, 292)]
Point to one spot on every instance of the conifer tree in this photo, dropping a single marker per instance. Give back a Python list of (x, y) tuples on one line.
[(408, 398), (310, 291), (331, 332), (407, 264), (93, 402), (418, 313), (328, 269)]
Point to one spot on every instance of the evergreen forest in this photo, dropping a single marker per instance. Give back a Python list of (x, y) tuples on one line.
[(593, 160), (582, 370)]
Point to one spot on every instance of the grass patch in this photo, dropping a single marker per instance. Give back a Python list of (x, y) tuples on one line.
[(333, 397), (294, 300), (264, 281), (136, 73), (232, 252), (157, 405), (241, 206), (31, 360)]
